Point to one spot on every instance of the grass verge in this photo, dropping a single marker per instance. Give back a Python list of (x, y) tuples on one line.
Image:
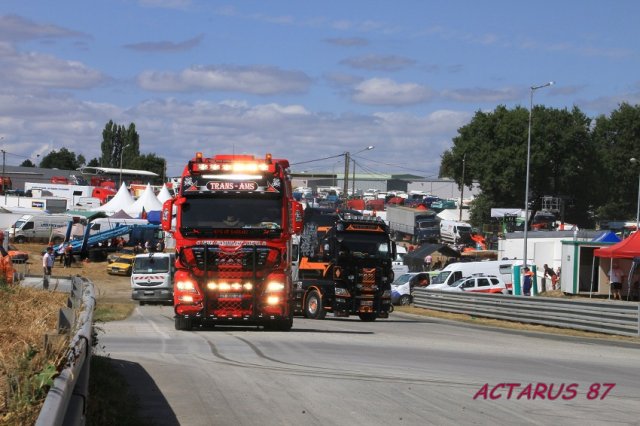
[(27, 367), (106, 312)]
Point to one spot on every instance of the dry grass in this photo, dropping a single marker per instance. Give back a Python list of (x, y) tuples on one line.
[(24, 364), (26, 368)]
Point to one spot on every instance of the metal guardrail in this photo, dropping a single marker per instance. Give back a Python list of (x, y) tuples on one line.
[(66, 401), (622, 318)]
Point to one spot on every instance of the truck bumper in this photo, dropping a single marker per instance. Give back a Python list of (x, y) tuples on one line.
[(153, 295)]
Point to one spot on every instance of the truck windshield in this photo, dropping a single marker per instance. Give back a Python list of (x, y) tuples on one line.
[(151, 264), (428, 224), (19, 224), (363, 245), (232, 212)]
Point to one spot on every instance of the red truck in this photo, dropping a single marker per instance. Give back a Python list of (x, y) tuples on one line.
[(232, 220)]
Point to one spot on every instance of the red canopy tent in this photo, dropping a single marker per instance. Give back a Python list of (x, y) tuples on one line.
[(629, 248), (625, 249)]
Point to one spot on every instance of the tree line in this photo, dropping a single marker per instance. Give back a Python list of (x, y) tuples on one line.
[(118, 144), (585, 163)]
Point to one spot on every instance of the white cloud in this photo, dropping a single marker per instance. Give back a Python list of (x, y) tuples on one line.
[(258, 80), (383, 91), (41, 70), (379, 62)]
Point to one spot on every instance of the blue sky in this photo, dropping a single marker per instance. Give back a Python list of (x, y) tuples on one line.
[(299, 79)]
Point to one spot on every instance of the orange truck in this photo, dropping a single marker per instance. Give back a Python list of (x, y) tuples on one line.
[(233, 220)]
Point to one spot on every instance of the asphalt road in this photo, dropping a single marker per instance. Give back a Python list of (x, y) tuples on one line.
[(405, 370)]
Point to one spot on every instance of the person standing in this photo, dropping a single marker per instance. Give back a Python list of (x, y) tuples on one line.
[(526, 285), (615, 278), (551, 274), (427, 262), (47, 265)]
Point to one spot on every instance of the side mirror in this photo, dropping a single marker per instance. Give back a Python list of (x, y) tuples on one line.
[(167, 215), (297, 214)]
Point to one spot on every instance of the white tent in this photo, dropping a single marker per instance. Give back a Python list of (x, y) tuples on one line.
[(147, 202), (164, 194), (454, 214), (121, 201)]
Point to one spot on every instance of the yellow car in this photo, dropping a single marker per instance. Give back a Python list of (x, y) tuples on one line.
[(122, 265)]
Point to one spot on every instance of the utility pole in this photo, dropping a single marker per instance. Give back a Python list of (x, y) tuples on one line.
[(3, 176), (347, 160)]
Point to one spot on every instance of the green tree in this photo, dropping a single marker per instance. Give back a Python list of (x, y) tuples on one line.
[(63, 159), (123, 144), (616, 138), (27, 163), (494, 147), (119, 144)]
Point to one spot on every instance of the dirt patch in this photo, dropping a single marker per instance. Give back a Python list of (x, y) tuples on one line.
[(108, 288)]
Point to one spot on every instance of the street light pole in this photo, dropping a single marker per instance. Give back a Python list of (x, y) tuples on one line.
[(526, 190), (634, 161), (121, 153), (464, 157)]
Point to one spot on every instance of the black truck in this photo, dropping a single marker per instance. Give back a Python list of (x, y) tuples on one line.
[(344, 266)]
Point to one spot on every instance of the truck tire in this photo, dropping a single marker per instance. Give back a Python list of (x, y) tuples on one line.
[(183, 323), (313, 307), (368, 316), (20, 239), (405, 299)]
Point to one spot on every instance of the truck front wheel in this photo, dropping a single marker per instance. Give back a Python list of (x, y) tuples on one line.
[(183, 323), (313, 307)]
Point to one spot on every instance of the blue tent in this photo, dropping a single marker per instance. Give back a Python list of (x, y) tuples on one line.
[(606, 237)]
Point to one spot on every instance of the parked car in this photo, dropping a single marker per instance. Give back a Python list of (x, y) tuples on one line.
[(479, 284), (403, 286), (122, 265), (113, 256)]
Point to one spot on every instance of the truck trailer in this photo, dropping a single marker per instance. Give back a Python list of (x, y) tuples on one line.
[(416, 225)]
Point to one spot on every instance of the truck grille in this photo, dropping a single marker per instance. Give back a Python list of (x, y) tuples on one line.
[(245, 258), (368, 278)]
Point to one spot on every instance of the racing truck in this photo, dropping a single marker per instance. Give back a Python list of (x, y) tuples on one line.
[(345, 269), (233, 219)]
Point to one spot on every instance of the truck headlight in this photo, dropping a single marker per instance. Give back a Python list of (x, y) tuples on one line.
[(186, 286), (386, 294), (274, 286), (273, 300), (342, 292)]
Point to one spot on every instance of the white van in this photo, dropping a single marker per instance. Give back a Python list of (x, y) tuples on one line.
[(456, 271), (152, 277), (31, 227), (453, 232)]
